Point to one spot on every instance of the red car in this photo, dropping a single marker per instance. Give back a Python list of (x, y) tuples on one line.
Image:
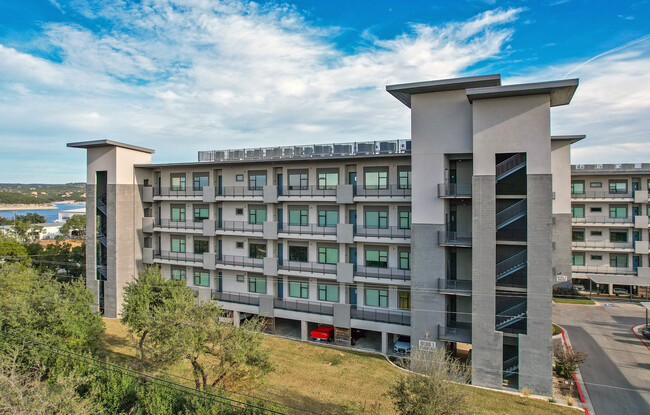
[(323, 333)]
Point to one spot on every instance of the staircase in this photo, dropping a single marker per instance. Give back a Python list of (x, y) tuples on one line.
[(512, 264), (511, 214), (101, 236), (510, 165), (101, 269), (511, 315), (511, 367), (101, 203)]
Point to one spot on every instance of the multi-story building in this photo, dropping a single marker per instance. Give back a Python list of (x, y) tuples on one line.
[(609, 205), (427, 238)]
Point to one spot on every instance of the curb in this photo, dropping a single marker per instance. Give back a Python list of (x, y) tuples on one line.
[(639, 337), (577, 377)]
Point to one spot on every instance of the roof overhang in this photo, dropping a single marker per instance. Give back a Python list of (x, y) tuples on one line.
[(616, 279), (571, 139), (108, 143), (403, 92), (560, 91)]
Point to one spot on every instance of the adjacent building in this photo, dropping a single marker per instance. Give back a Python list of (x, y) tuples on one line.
[(453, 238)]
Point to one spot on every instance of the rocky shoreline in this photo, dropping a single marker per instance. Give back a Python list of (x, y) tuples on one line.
[(35, 206)]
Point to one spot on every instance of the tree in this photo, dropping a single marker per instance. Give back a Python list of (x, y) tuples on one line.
[(75, 226), (31, 218), (12, 251), (24, 231), (435, 384), (6, 221), (567, 360)]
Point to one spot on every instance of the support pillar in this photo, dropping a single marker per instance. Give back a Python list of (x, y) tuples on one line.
[(384, 342), (235, 318), (304, 331), (342, 336)]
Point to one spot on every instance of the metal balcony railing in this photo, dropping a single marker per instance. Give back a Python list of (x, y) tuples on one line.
[(627, 271), (240, 261), (510, 165), (392, 190), (602, 244), (304, 306), (462, 287), (603, 195), (309, 267), (459, 332), (460, 190), (511, 213), (171, 224), (179, 256), (310, 229), (391, 316), (239, 226), (394, 232), (383, 273), (240, 191), (511, 264), (232, 297), (177, 192), (511, 315), (455, 238), (306, 191), (602, 219)]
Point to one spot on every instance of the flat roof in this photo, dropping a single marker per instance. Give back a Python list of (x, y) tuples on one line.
[(571, 138), (610, 169), (403, 92), (560, 91), (108, 143)]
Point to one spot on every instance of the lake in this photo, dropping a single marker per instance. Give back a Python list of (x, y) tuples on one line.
[(50, 214)]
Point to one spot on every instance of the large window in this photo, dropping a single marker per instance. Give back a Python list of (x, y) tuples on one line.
[(405, 300), (298, 216), (178, 273), (298, 180), (328, 217), (201, 213), (617, 211), (578, 211), (578, 235), (578, 187), (404, 217), (618, 186), (377, 258), (298, 289), (298, 253), (618, 236), (376, 297), (328, 292), (256, 250), (376, 178), (178, 182), (178, 243), (376, 218), (327, 255), (256, 180), (618, 261), (202, 278), (404, 258), (578, 258), (256, 215), (178, 214), (201, 246), (404, 177), (257, 285), (201, 180), (327, 179)]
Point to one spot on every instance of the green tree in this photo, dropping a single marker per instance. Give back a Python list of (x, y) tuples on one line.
[(12, 251), (75, 226), (567, 360), (6, 221), (32, 218)]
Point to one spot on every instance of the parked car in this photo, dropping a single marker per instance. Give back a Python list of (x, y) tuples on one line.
[(402, 345), (646, 332), (323, 334), (621, 291), (356, 335), (578, 287)]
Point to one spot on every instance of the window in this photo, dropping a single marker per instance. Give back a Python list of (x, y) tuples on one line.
[(618, 186), (328, 292), (578, 187), (256, 215), (202, 278), (201, 180), (201, 213), (328, 217), (578, 258), (256, 180), (240, 278), (201, 246), (298, 289), (376, 178), (239, 177), (328, 179), (578, 211), (256, 250), (239, 244), (617, 211), (404, 258), (376, 218), (178, 182), (597, 257), (257, 285), (178, 243), (328, 255), (578, 235), (596, 185), (618, 236), (178, 213), (298, 180), (298, 217), (239, 211), (404, 218), (404, 300), (377, 258), (596, 233), (298, 253), (618, 261), (376, 297), (404, 177), (596, 209), (178, 274)]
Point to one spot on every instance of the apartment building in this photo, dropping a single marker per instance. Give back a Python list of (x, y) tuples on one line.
[(609, 205), (427, 238)]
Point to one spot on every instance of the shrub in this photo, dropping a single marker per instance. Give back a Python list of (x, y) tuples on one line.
[(567, 360)]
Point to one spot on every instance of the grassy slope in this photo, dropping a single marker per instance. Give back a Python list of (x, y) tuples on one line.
[(572, 301), (354, 383)]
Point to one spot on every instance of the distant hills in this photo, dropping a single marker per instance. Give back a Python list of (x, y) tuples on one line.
[(38, 193)]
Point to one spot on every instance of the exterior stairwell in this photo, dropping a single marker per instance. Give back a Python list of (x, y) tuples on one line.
[(511, 367), (509, 265), (101, 203), (510, 165), (511, 315), (511, 214)]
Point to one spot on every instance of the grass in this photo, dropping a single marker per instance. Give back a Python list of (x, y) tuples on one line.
[(572, 301), (354, 383), (556, 330)]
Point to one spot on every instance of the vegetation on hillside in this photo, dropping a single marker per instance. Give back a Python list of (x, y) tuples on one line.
[(40, 193)]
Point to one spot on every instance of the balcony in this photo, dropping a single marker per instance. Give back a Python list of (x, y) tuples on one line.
[(167, 225), (390, 316), (460, 239), (602, 245), (455, 287), (603, 195), (457, 333), (175, 193), (239, 298), (304, 306), (240, 261), (602, 220), (455, 190), (240, 192), (306, 192), (309, 230), (390, 232), (307, 267), (391, 191), (630, 271), (391, 274), (185, 257), (238, 227)]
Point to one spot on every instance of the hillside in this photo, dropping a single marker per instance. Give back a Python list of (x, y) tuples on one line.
[(31, 194)]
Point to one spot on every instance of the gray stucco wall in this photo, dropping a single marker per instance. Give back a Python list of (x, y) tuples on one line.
[(562, 257), (91, 242)]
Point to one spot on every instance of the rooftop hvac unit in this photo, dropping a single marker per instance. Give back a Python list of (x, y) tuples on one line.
[(365, 148), (287, 152), (408, 146), (236, 155), (219, 155), (275, 152), (254, 154), (322, 151), (387, 148), (342, 149)]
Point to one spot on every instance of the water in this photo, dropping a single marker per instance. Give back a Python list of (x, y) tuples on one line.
[(50, 214)]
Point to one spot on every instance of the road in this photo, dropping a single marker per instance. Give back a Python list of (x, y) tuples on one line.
[(617, 371)]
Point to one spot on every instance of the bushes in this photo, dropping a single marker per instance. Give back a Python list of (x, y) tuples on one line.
[(567, 360)]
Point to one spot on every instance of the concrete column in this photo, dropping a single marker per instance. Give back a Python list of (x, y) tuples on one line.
[(235, 318), (304, 331), (384, 342)]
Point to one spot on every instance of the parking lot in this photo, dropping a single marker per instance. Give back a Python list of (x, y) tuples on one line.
[(617, 371)]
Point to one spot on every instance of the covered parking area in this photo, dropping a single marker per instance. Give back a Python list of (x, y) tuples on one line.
[(627, 286)]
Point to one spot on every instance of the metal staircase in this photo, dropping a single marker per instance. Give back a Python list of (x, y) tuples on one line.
[(514, 263), (101, 236), (101, 204), (511, 315), (511, 367), (511, 214), (510, 165)]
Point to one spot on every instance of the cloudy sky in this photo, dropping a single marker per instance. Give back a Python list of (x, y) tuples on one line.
[(186, 75)]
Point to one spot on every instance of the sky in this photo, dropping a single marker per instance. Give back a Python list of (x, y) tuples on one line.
[(181, 76)]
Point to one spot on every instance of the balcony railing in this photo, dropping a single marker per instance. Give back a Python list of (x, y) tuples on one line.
[(309, 267), (240, 261), (239, 226), (240, 298), (394, 232), (310, 229), (602, 244), (177, 192), (602, 195), (461, 190), (392, 190), (179, 256), (631, 271), (391, 316), (455, 238), (383, 273), (306, 191), (304, 306), (171, 224), (462, 287), (240, 191), (602, 219), (459, 332)]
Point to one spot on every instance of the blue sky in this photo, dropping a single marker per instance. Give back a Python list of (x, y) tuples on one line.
[(187, 75)]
